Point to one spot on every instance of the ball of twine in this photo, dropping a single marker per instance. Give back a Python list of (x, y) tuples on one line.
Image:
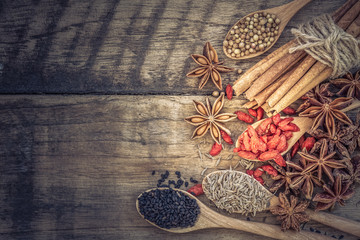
[(328, 43)]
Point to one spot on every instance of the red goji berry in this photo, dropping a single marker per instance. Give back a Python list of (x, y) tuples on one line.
[(308, 143), (285, 121), (273, 142), (226, 137), (251, 131), (278, 132), (235, 150), (288, 134), (229, 91), (246, 141), (258, 172), (247, 155), (272, 128), (270, 154), (301, 140), (216, 149), (260, 113), (250, 172), (196, 190), (244, 117), (280, 160), (264, 138), (295, 149), (282, 146), (289, 111), (260, 180), (290, 127), (276, 119), (262, 128), (252, 112), (270, 170)]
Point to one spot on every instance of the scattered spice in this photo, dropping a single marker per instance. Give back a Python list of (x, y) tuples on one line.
[(229, 91), (216, 149), (226, 137), (289, 111), (260, 113), (196, 190), (338, 194), (210, 118), (215, 93), (234, 191), (252, 34), (308, 143), (168, 208), (350, 85), (242, 116), (209, 67), (252, 112), (290, 213), (239, 71)]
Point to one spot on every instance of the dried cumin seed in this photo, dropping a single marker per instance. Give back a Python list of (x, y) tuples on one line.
[(203, 171), (218, 162)]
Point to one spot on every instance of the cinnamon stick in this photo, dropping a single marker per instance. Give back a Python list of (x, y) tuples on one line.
[(273, 73), (262, 96), (319, 71), (250, 104), (338, 14), (304, 66), (245, 81), (354, 27)]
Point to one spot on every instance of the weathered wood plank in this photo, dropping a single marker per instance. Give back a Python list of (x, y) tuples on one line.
[(126, 47), (72, 166)]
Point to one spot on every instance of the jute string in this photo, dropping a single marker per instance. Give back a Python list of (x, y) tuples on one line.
[(328, 43)]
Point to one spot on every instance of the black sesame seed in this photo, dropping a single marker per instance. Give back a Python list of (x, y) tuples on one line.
[(186, 184), (193, 180), (341, 237), (153, 172)]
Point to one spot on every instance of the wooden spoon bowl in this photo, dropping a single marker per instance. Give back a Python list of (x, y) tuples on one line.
[(284, 13), (331, 220), (211, 219)]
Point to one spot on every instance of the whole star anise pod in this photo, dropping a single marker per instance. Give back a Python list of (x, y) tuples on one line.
[(323, 163), (338, 194), (350, 84), (338, 140), (210, 118), (321, 92), (290, 213), (352, 172), (209, 67), (302, 179), (355, 131), (324, 111)]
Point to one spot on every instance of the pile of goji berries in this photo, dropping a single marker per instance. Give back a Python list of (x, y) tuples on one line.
[(268, 141)]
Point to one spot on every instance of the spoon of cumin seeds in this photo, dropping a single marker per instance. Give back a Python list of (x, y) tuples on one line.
[(283, 13), (340, 223), (208, 218)]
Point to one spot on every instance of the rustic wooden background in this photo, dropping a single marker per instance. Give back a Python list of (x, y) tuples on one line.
[(92, 100)]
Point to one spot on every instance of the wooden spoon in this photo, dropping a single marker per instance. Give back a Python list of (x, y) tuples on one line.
[(331, 220), (211, 219), (304, 123), (284, 13)]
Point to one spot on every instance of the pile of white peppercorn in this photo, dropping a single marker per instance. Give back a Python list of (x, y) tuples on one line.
[(252, 34)]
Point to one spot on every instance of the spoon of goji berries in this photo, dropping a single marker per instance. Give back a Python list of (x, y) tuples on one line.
[(178, 211), (273, 137), (340, 223)]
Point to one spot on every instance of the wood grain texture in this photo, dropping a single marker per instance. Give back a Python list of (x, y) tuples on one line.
[(122, 47), (72, 166)]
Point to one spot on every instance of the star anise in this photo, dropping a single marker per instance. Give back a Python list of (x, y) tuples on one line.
[(319, 92), (352, 172), (323, 163), (322, 111), (210, 118), (290, 213), (209, 67), (338, 140), (339, 193), (355, 131), (302, 179), (349, 84)]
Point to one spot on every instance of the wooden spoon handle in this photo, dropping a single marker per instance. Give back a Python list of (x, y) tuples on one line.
[(291, 9), (340, 223)]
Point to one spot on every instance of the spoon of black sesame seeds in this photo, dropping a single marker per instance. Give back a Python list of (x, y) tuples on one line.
[(258, 31), (241, 193), (178, 211)]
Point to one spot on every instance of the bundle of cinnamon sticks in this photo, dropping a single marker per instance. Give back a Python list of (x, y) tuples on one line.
[(282, 77)]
